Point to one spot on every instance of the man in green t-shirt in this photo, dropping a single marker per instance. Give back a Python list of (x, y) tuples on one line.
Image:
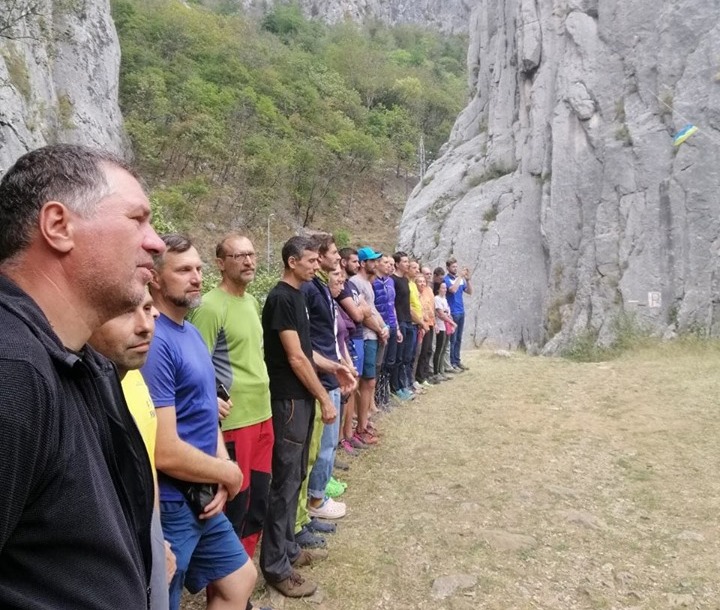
[(229, 322)]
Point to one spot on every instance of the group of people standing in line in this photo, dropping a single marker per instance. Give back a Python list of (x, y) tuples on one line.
[(120, 486)]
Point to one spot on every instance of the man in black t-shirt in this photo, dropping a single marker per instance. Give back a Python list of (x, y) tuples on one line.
[(294, 386), (400, 381)]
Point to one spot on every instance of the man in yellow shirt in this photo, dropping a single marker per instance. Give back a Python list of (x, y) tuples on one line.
[(416, 313), (125, 340)]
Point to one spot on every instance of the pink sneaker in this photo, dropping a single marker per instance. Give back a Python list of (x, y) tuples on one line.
[(347, 447)]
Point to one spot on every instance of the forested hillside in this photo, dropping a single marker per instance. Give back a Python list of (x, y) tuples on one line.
[(233, 119)]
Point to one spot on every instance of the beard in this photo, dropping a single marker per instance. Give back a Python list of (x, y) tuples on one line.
[(186, 301)]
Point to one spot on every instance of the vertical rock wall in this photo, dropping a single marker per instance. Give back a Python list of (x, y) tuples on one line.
[(446, 15), (59, 63), (560, 186)]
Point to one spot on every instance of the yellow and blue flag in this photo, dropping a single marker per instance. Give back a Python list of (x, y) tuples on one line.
[(684, 134)]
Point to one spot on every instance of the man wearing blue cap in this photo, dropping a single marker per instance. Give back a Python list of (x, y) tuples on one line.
[(374, 330)]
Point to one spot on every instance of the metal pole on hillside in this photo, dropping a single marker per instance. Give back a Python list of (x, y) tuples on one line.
[(422, 156), (268, 240)]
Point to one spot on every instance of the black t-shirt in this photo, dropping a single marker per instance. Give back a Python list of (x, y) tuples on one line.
[(402, 298), (285, 310)]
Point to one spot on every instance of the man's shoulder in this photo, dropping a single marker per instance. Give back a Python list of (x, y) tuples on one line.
[(19, 344), (212, 301), (282, 290)]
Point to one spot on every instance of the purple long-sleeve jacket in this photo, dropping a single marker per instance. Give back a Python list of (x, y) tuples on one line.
[(384, 289)]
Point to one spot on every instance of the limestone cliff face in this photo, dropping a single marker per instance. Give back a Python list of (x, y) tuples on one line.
[(59, 62), (449, 16), (560, 186)]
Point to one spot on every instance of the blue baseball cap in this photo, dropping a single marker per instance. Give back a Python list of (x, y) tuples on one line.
[(368, 254)]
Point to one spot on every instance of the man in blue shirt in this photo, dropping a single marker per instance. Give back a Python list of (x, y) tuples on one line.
[(189, 450), (457, 285)]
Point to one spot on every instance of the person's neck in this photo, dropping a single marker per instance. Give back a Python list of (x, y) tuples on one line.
[(365, 275), (290, 278), (72, 320), (232, 288), (168, 309), (399, 273), (121, 372)]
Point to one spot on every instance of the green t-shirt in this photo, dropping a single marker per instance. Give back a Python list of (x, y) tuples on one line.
[(231, 329)]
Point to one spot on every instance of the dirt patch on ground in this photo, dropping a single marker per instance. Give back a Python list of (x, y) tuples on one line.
[(537, 483)]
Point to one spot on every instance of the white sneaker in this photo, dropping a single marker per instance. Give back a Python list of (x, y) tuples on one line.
[(329, 509)]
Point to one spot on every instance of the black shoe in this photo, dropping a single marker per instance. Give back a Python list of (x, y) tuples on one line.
[(307, 540), (321, 527)]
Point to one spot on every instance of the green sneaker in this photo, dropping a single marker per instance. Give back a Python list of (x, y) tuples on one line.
[(335, 488)]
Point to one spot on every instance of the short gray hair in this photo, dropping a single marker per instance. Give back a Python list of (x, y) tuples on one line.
[(69, 173)]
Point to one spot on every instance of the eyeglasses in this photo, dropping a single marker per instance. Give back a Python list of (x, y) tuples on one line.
[(238, 256)]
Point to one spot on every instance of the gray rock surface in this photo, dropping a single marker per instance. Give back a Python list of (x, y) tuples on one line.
[(447, 15), (560, 186), (58, 76), (445, 586)]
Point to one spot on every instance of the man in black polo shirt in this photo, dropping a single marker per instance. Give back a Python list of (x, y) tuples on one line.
[(294, 386), (76, 250)]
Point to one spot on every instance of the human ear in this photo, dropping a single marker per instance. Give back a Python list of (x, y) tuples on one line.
[(57, 226)]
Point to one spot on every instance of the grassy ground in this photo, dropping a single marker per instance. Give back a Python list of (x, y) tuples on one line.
[(547, 483)]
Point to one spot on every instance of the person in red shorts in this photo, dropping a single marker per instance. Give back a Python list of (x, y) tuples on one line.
[(229, 321)]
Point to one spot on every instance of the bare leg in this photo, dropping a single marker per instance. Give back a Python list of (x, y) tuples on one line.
[(234, 590)]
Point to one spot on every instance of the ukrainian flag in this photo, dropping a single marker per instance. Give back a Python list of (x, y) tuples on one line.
[(684, 134)]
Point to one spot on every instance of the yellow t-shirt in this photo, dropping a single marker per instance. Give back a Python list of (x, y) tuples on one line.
[(415, 305), (142, 409)]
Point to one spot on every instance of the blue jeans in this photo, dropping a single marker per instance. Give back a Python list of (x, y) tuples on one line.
[(322, 470), (456, 339), (406, 354)]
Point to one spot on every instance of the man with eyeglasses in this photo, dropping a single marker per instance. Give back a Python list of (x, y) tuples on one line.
[(229, 321)]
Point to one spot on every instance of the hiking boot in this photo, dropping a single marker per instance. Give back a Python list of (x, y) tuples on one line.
[(308, 557), (462, 367), (321, 527), (307, 540), (295, 585)]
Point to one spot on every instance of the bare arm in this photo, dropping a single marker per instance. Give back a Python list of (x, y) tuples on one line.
[(444, 317), (456, 284), (303, 368), (181, 460), (343, 374), (357, 314)]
